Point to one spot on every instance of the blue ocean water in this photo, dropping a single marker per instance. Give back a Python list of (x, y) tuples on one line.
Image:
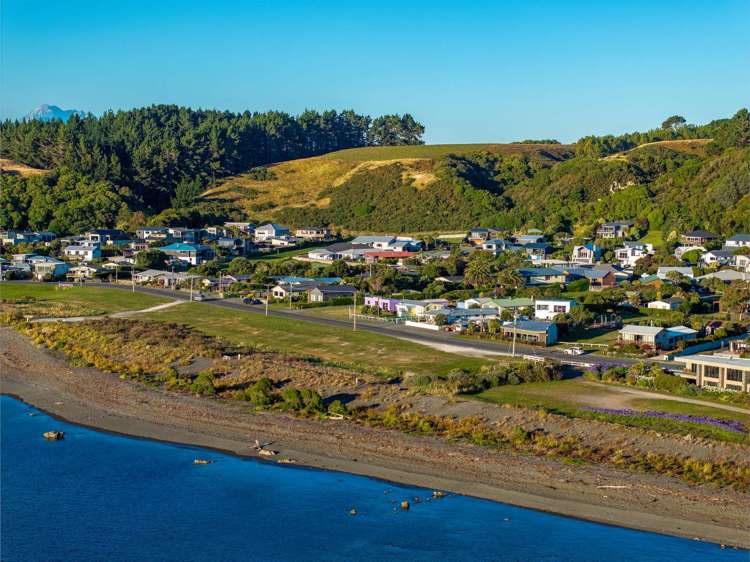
[(96, 496)]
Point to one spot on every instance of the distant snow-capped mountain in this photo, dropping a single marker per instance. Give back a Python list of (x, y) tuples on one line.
[(48, 112)]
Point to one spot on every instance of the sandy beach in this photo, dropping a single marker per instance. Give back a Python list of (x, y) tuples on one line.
[(597, 493)]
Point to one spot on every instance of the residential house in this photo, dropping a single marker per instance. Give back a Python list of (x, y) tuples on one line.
[(672, 303), (187, 235), (107, 236), (664, 271), (631, 252), (43, 267), (383, 303), (738, 241), (726, 275), (586, 254), (340, 251), (216, 232), (616, 229), (152, 233), (325, 293), (742, 262), (14, 237), (313, 233), (270, 230), (680, 251), (718, 257), (542, 275), (523, 239), (720, 372), (193, 254), (235, 246), (283, 290), (450, 279), (531, 331), (547, 309), (373, 256), (463, 316), (244, 227), (83, 253), (477, 236), (697, 237), (496, 245), (657, 337), (417, 308), (85, 272), (281, 241), (600, 277)]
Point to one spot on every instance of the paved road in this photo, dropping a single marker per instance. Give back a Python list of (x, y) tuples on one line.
[(472, 347)]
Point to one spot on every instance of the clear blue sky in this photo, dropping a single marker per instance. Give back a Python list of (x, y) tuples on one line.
[(479, 72)]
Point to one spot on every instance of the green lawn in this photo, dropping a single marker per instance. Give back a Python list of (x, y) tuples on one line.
[(104, 300), (652, 237), (338, 312), (283, 254), (358, 349)]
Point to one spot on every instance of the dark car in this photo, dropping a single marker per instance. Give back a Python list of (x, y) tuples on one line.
[(250, 300)]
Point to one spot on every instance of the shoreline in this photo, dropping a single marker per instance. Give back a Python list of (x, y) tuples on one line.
[(39, 378)]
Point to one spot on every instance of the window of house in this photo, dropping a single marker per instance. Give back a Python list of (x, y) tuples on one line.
[(734, 375), (712, 372)]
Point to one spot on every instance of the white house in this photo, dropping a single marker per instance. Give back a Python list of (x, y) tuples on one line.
[(672, 303), (414, 308), (718, 257), (631, 252), (270, 230), (313, 233), (46, 266), (547, 309), (738, 241), (586, 254), (617, 229), (83, 253)]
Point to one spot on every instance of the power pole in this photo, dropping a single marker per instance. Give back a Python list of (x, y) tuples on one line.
[(132, 275), (515, 316), (354, 311), (191, 288), (290, 295), (268, 296)]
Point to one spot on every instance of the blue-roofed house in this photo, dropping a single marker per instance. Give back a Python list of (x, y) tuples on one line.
[(531, 331), (738, 241), (194, 254)]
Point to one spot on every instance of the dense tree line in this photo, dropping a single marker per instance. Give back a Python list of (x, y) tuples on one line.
[(150, 151)]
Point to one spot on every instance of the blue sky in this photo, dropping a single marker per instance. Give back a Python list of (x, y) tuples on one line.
[(488, 71)]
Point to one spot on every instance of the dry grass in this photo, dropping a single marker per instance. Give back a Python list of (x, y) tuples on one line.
[(14, 168), (301, 182)]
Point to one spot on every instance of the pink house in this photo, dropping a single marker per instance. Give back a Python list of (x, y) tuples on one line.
[(383, 303)]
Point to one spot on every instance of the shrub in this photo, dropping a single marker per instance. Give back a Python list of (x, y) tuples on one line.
[(337, 408), (670, 383), (312, 400), (292, 399), (203, 383)]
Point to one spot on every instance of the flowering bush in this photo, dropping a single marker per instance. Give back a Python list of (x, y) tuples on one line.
[(728, 425)]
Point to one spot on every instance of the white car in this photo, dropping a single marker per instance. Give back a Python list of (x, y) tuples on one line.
[(573, 351)]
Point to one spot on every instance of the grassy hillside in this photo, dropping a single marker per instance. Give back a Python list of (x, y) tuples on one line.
[(694, 147), (553, 152), (313, 181)]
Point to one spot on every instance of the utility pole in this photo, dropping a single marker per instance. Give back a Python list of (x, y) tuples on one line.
[(354, 312), (132, 275), (290, 295), (268, 296), (515, 316), (191, 288)]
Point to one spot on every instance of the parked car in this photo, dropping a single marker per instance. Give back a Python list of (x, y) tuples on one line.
[(251, 300), (573, 351), (199, 297)]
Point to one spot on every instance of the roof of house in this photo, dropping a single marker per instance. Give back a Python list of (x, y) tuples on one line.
[(344, 246), (739, 238), (556, 300), (372, 239), (272, 225), (723, 359), (538, 271), (390, 254), (343, 289), (684, 330), (530, 325), (183, 247), (641, 330), (727, 275), (294, 279), (721, 253), (700, 234), (617, 223), (81, 248)]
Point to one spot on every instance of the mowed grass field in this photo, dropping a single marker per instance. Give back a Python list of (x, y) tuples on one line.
[(102, 300), (359, 349)]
